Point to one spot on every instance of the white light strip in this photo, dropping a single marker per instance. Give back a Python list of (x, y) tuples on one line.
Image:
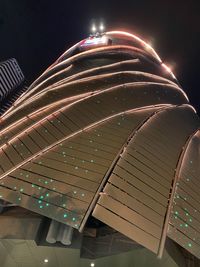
[(138, 39)]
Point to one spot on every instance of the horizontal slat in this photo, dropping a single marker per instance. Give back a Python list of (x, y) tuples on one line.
[(126, 228), (127, 171), (137, 194), (133, 204)]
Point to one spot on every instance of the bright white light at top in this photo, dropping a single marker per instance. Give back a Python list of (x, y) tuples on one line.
[(46, 260), (94, 29), (101, 27), (92, 264)]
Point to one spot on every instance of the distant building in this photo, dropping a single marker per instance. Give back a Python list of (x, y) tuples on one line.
[(106, 143), (11, 83)]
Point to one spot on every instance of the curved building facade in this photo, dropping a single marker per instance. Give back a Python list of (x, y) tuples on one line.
[(107, 132)]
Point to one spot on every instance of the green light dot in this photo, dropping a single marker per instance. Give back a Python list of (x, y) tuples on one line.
[(176, 212), (39, 201), (190, 220), (187, 214), (82, 195), (47, 204), (47, 194), (181, 225), (186, 225), (41, 197), (65, 215), (189, 245), (73, 219), (33, 185), (21, 189), (41, 207), (46, 182)]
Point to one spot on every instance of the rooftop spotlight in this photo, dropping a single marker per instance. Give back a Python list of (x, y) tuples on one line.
[(101, 27), (94, 29)]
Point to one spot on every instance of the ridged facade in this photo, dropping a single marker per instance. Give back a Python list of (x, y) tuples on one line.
[(107, 131), (11, 76)]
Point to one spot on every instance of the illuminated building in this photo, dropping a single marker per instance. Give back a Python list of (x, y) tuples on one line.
[(107, 133)]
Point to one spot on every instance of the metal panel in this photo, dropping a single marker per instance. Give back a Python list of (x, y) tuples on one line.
[(65, 178), (138, 174), (184, 224)]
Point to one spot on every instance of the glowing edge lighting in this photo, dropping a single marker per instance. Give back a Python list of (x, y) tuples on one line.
[(94, 93), (74, 134)]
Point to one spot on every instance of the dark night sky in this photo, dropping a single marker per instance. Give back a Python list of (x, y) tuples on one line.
[(36, 32)]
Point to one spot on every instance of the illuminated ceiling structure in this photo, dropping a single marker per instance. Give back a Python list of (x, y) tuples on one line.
[(107, 132)]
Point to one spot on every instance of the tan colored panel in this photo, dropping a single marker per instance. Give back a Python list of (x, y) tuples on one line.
[(185, 213), (127, 171), (143, 151), (184, 241), (45, 195), (148, 172), (46, 134), (61, 127), (14, 156), (21, 149), (80, 153), (130, 189), (51, 211), (93, 175), (144, 173), (56, 185), (37, 138), (83, 163), (181, 201), (133, 203), (129, 215), (5, 162), (53, 130), (105, 103), (126, 227), (65, 177), (30, 144), (75, 164), (156, 167), (186, 218)]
